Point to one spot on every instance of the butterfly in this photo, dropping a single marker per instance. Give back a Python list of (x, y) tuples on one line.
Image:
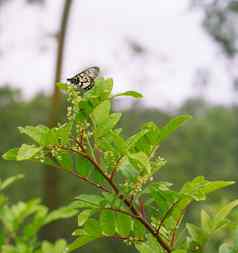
[(85, 79)]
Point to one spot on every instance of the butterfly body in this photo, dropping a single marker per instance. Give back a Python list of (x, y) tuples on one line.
[(85, 79)]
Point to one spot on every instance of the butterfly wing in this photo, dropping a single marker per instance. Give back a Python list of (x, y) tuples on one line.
[(85, 79)]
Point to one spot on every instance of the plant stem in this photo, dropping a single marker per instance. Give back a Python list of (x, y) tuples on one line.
[(90, 147), (133, 210), (166, 215), (173, 239), (85, 179)]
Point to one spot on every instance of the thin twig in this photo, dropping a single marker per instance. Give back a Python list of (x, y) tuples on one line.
[(125, 238), (173, 239), (166, 215), (80, 144), (120, 211), (90, 147), (142, 208), (85, 179)]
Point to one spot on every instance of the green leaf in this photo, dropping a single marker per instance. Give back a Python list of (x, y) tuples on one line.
[(2, 239), (112, 142), (150, 246), (101, 90), (101, 113), (140, 161), (149, 140), (60, 246), (196, 234), (38, 133), (47, 247), (83, 166), (132, 141), (107, 222), (19, 212), (139, 229), (27, 152), (65, 159), (59, 135), (81, 241), (128, 170), (108, 125), (224, 212), (31, 229), (11, 154), (88, 201), (6, 183), (123, 224), (205, 221), (130, 93), (199, 187), (92, 228), (84, 216), (61, 213), (144, 248), (172, 126), (163, 197)]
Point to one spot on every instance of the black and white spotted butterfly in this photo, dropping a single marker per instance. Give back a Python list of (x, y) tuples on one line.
[(85, 79)]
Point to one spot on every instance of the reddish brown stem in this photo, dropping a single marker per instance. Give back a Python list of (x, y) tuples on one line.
[(142, 208), (85, 179), (173, 239), (133, 210), (120, 211)]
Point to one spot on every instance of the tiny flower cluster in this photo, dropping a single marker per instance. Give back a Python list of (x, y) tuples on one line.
[(109, 159), (74, 98), (141, 181)]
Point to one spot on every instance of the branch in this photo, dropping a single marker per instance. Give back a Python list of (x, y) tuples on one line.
[(133, 210), (136, 214), (142, 208)]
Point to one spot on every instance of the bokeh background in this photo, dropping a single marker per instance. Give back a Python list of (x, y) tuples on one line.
[(182, 55)]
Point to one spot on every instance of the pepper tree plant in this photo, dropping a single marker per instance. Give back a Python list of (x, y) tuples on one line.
[(131, 203)]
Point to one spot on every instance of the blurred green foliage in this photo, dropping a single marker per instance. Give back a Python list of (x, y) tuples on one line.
[(207, 146)]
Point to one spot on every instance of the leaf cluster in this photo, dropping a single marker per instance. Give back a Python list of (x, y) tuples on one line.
[(132, 205)]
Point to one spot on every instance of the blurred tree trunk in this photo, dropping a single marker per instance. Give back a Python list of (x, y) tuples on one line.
[(51, 176)]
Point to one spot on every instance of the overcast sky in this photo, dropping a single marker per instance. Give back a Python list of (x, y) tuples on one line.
[(175, 42)]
